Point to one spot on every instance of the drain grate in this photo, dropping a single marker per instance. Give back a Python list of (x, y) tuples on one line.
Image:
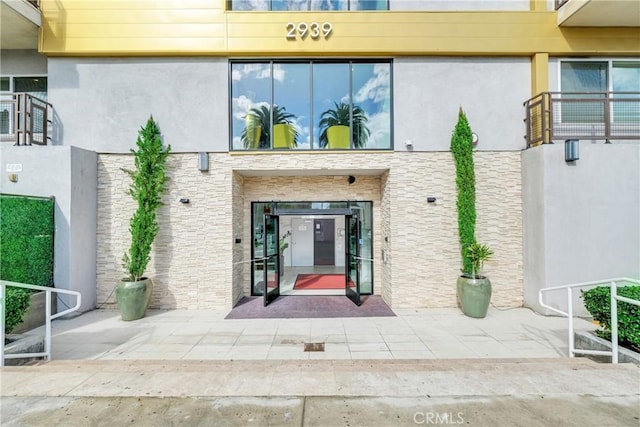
[(314, 346)]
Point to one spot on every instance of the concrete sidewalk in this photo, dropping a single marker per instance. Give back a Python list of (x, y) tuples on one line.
[(476, 392), (423, 367), (413, 334)]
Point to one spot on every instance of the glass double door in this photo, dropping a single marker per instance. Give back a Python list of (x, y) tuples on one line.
[(352, 258), (271, 258), (272, 261)]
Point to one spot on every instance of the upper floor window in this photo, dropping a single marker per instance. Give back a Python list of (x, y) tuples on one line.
[(36, 86), (310, 105), (591, 81), (306, 5), (33, 85)]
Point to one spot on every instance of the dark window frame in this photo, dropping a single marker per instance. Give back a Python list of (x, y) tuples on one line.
[(229, 8), (311, 62)]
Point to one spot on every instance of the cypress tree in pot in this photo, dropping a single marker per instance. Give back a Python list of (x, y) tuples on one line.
[(148, 179), (473, 289)]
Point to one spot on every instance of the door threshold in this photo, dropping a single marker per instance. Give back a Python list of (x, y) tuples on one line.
[(312, 292)]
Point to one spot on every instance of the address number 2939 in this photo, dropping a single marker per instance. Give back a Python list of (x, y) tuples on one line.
[(313, 30)]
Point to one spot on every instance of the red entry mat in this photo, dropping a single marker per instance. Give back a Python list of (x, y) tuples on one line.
[(319, 281)]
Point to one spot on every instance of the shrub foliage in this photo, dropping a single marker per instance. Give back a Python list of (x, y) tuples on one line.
[(17, 304), (598, 303), (462, 150), (148, 183), (26, 239)]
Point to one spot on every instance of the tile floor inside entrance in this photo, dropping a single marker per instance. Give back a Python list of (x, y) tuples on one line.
[(413, 334)]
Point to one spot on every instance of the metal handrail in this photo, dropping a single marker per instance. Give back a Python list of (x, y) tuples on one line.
[(25, 119), (49, 317), (613, 283), (604, 116)]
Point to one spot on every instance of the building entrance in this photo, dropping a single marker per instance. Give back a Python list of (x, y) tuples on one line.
[(323, 248)]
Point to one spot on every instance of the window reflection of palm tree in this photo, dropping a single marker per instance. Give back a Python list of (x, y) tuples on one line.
[(257, 131), (340, 116)]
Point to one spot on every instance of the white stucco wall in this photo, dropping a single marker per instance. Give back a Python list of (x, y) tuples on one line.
[(101, 103), (428, 93), (554, 74), (582, 219), (22, 63), (70, 175)]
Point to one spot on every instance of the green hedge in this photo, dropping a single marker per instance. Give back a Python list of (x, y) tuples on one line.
[(26, 249), (598, 303)]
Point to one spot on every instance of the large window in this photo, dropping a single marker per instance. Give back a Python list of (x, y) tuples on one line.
[(589, 82), (304, 5), (310, 105)]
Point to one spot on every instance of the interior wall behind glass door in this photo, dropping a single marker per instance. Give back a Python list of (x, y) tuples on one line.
[(364, 210)]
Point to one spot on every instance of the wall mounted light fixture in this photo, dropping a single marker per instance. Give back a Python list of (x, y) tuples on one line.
[(571, 152), (203, 161)]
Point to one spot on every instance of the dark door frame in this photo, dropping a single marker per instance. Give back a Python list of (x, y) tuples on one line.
[(273, 207)]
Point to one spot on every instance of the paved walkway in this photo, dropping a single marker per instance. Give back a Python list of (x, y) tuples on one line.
[(439, 368), (413, 334)]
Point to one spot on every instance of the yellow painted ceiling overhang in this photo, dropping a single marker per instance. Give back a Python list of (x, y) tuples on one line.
[(203, 27)]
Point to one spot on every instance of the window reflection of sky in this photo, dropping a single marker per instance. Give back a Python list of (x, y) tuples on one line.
[(291, 87), (626, 77), (299, 5)]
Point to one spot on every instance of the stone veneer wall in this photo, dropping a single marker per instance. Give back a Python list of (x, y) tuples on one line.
[(425, 250), (191, 257), (192, 264), (239, 216), (387, 277), (321, 188)]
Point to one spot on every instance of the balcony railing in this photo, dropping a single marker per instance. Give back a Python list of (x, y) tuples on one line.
[(575, 115), (25, 119)]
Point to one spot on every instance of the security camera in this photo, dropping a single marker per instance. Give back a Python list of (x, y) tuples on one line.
[(409, 144)]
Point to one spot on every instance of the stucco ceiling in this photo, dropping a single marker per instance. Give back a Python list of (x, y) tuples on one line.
[(600, 13), (20, 22)]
